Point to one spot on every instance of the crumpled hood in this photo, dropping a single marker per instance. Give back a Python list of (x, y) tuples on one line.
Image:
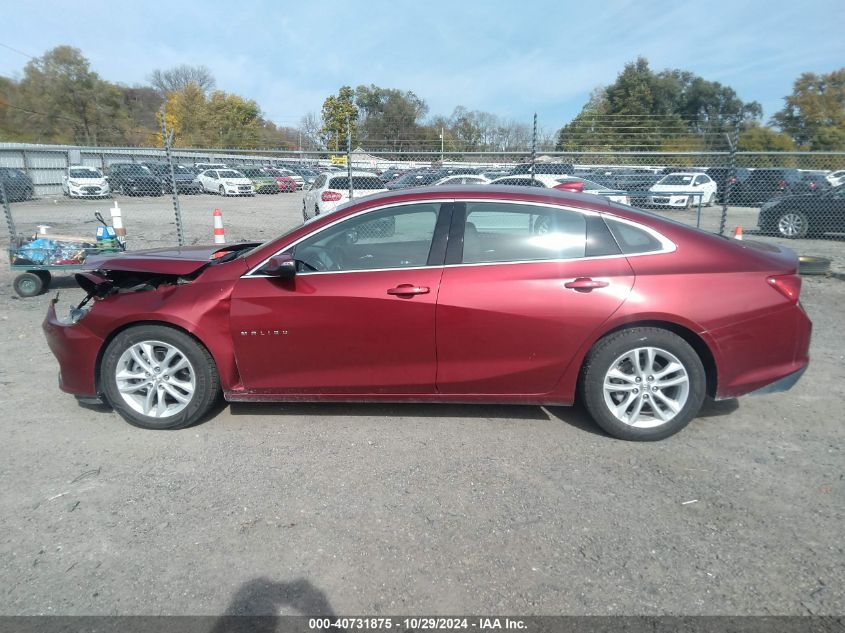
[(169, 260)]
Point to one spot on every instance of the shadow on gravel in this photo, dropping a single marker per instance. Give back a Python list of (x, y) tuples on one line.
[(262, 600)]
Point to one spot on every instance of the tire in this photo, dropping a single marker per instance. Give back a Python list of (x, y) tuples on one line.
[(304, 212), (222, 191), (610, 355), (316, 210), (129, 354), (29, 284), (710, 200), (691, 204), (792, 224)]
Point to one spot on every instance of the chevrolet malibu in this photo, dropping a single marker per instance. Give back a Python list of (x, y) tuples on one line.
[(445, 294)]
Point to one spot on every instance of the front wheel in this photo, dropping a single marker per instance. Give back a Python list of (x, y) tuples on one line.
[(222, 190), (643, 384), (792, 224), (157, 377)]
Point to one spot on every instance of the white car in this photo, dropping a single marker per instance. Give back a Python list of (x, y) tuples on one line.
[(206, 166), (683, 189), (330, 190), (565, 183), (462, 179), (226, 182), (836, 178), (79, 181)]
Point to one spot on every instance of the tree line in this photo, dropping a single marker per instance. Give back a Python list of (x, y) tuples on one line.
[(61, 99)]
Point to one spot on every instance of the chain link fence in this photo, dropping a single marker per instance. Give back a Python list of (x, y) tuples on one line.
[(51, 193)]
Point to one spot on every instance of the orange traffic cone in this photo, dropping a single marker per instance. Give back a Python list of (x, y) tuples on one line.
[(219, 233), (738, 233)]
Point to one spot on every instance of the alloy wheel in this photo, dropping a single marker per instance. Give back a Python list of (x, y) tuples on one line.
[(646, 387), (791, 225), (155, 379)]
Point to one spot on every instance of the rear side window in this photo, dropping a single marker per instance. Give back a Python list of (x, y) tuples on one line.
[(358, 182), (497, 232), (633, 240)]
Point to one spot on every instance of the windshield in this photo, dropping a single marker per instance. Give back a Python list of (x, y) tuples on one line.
[(358, 182), (677, 179), (84, 172), (136, 170), (229, 173)]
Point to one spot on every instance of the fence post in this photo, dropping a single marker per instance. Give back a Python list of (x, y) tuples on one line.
[(8, 211), (534, 148), (349, 156), (167, 139), (733, 139)]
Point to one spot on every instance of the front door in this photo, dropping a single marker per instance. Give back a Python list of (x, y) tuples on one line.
[(357, 318)]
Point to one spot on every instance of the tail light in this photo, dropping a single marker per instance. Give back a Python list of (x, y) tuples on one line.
[(782, 184), (788, 285), (570, 186), (330, 196), (812, 185)]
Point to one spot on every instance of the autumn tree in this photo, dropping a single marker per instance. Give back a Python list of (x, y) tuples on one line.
[(340, 116), (814, 114)]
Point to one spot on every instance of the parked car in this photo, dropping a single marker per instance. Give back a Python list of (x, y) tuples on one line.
[(812, 182), (683, 189), (804, 215), (636, 184), (553, 169), (81, 181), (331, 190), (284, 182), (186, 181), (412, 179), (724, 175), (201, 167), (307, 174), (132, 179), (836, 178), (226, 182), (462, 179), (765, 184), (540, 181), (469, 297), (391, 174), (583, 185), (262, 182), (17, 184)]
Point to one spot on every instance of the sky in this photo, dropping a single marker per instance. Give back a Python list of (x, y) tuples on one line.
[(508, 58)]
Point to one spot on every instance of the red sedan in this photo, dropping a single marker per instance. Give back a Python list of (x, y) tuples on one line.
[(286, 183), (447, 294)]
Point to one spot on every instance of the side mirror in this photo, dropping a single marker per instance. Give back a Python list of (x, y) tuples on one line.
[(282, 266)]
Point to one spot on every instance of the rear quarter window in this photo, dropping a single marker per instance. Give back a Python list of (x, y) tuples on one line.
[(631, 239)]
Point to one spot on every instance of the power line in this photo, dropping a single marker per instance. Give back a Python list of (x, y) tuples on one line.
[(18, 51)]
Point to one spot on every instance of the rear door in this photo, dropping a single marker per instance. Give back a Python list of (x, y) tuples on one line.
[(523, 287)]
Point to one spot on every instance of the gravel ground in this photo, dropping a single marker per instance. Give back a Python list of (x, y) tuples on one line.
[(411, 509)]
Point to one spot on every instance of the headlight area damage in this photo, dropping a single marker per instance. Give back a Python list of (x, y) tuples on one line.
[(186, 288)]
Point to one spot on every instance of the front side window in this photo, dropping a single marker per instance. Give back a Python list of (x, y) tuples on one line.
[(500, 232), (396, 237)]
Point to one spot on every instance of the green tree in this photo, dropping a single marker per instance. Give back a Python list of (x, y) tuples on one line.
[(339, 111), (389, 119), (62, 100), (756, 138), (643, 109), (233, 121), (814, 114)]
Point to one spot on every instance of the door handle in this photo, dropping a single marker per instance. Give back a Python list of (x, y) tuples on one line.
[(585, 284), (408, 289)]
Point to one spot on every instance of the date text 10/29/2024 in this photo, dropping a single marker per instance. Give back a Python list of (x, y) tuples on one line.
[(417, 623)]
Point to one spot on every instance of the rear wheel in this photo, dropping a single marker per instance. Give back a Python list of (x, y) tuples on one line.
[(46, 277), (157, 377), (793, 224), (29, 284), (643, 384)]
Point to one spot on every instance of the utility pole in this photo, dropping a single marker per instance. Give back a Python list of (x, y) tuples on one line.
[(441, 145), (534, 148), (349, 156)]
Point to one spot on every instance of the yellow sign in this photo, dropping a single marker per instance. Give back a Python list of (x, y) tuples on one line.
[(338, 160)]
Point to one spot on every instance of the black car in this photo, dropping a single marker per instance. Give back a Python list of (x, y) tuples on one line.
[(17, 184), (553, 169), (804, 215), (132, 179), (636, 184), (764, 184), (722, 175), (812, 182), (414, 179), (185, 178)]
